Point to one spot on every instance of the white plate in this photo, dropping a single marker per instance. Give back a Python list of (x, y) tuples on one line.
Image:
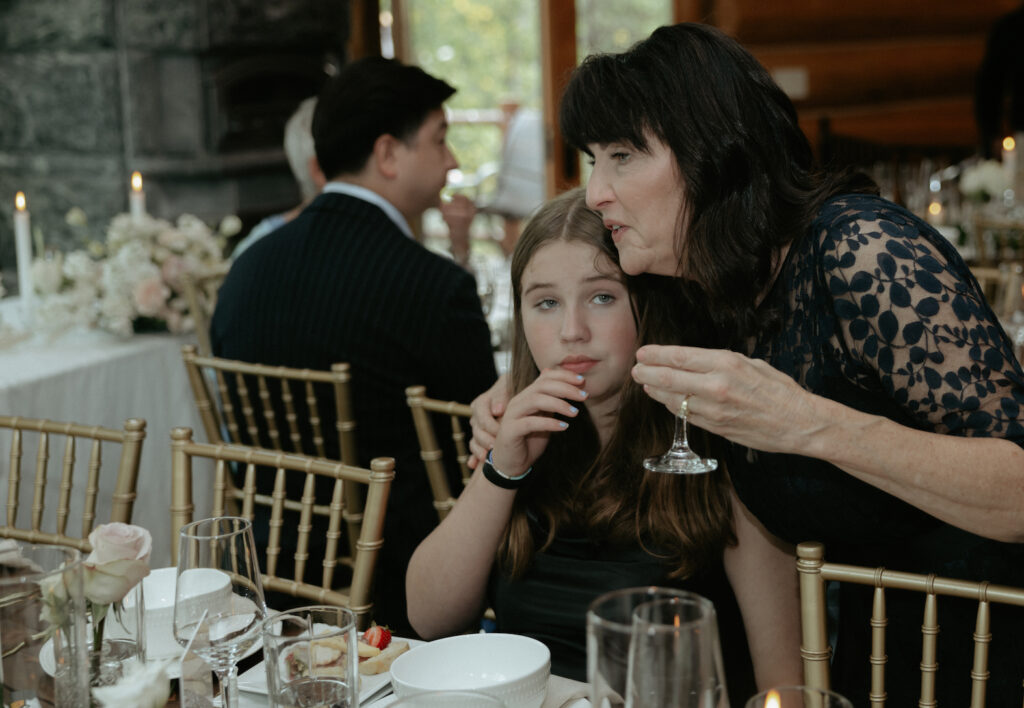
[(173, 671), (255, 679)]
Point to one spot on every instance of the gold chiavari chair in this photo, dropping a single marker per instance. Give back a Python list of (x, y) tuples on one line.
[(245, 397), (816, 653), (71, 485), (430, 451), (201, 295), (1002, 285), (997, 240), (363, 512)]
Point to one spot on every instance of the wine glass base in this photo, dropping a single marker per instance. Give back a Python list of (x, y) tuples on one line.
[(685, 462)]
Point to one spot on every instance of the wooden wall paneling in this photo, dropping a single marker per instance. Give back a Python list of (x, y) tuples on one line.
[(878, 70), (757, 21), (558, 48), (364, 19)]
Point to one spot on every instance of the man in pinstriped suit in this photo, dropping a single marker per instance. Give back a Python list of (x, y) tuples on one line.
[(346, 282)]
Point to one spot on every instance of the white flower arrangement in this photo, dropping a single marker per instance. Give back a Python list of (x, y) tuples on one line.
[(983, 180), (133, 280)]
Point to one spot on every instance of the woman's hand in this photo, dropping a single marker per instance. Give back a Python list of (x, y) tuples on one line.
[(742, 399), (529, 421), (488, 408)]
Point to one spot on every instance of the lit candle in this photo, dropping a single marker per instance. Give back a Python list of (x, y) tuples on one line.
[(137, 197), (773, 700), (1010, 161), (23, 248)]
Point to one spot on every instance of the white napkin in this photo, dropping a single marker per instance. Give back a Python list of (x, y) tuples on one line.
[(564, 692)]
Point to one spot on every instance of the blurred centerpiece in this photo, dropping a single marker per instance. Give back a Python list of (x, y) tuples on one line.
[(132, 281)]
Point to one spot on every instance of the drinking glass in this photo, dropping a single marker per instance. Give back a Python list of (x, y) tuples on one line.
[(311, 658), (609, 631), (675, 660), (680, 459), (798, 697), (42, 626), (218, 598)]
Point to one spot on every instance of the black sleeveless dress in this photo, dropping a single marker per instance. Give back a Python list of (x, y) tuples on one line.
[(549, 603)]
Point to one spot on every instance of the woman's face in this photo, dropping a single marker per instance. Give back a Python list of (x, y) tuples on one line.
[(640, 197), (577, 316)]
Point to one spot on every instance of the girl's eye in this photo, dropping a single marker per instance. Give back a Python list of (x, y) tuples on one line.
[(604, 299), (546, 304)]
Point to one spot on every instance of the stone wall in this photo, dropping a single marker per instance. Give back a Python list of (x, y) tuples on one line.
[(192, 93)]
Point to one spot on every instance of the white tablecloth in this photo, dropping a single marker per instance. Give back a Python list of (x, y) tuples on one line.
[(93, 377)]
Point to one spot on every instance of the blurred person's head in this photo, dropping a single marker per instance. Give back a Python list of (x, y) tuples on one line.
[(300, 150), (380, 124)]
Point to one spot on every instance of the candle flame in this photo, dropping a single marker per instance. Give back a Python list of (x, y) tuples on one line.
[(137, 181), (773, 699), (934, 208), (1009, 143), (19, 201)]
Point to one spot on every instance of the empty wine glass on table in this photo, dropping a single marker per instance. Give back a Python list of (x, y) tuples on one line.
[(675, 659), (218, 599), (680, 459)]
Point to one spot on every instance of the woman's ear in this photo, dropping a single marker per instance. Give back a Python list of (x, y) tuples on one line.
[(385, 155)]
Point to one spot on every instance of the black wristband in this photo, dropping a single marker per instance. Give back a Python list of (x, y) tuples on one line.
[(499, 480)]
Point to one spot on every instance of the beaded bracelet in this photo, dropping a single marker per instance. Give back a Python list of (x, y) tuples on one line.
[(495, 476)]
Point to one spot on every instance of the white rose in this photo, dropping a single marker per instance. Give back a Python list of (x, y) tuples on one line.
[(230, 225), (144, 685), (48, 274), (119, 560)]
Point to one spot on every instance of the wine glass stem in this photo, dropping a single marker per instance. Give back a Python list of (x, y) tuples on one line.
[(680, 438), (228, 687)]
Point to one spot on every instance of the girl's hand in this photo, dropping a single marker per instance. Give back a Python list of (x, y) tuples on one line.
[(529, 420), (744, 400)]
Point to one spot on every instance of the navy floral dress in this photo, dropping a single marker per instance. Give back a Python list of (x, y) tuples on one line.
[(880, 313)]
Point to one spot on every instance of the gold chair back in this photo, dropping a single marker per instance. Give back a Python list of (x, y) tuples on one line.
[(430, 451), (816, 653), (363, 512), (1002, 286), (201, 295), (997, 240), (84, 486)]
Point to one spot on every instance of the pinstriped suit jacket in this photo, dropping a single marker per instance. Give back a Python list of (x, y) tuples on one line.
[(341, 283)]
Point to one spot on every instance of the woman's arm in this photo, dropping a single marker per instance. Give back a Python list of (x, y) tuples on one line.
[(763, 575), (975, 483), (446, 582)]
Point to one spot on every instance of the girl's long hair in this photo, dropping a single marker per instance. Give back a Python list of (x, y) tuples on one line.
[(750, 185), (605, 495)]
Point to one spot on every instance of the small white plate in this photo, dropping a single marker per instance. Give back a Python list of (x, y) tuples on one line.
[(173, 671), (255, 679)]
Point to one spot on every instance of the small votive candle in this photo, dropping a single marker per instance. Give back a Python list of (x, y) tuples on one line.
[(137, 197), (798, 697), (23, 248)]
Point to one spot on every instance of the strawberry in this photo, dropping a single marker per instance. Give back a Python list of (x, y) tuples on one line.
[(378, 637)]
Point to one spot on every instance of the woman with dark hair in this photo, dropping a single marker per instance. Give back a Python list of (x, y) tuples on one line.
[(564, 521), (857, 385)]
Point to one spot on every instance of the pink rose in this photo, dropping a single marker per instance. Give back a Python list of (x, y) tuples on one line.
[(149, 295), (172, 270), (119, 560)]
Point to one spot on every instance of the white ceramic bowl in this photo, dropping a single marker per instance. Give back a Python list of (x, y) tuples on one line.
[(510, 667), (209, 585)]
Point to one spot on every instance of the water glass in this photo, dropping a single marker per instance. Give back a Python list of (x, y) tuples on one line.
[(609, 631), (42, 626), (798, 697), (312, 658), (675, 659)]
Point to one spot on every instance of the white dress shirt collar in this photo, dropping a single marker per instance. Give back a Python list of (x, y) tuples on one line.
[(368, 195)]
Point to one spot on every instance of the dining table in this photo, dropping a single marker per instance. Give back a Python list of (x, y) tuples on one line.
[(94, 377)]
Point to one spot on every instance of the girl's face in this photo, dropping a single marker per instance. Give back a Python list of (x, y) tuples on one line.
[(640, 197), (576, 315)]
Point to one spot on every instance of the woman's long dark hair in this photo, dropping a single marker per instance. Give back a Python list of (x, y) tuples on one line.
[(606, 495), (749, 180)]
